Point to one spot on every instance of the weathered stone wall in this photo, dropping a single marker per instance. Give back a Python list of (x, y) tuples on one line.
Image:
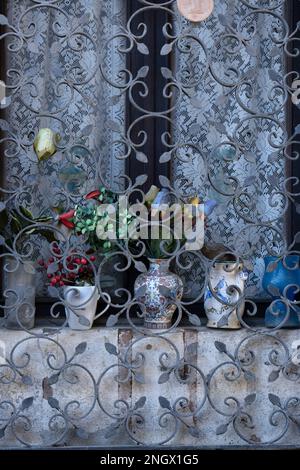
[(68, 387)]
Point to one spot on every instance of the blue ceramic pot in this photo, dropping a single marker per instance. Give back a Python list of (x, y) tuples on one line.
[(276, 278)]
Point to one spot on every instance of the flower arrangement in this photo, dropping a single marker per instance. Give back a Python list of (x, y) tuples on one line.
[(74, 271), (91, 221)]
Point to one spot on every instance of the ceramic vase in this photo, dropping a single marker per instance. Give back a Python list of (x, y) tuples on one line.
[(278, 275), (155, 290), (220, 308), (81, 306), (20, 290)]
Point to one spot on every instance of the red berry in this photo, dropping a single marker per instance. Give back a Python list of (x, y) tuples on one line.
[(77, 260), (83, 261), (93, 258), (41, 262), (51, 260), (53, 282), (81, 270), (61, 283), (49, 276), (58, 278)]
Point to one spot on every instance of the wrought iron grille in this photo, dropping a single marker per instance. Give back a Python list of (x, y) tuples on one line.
[(222, 120)]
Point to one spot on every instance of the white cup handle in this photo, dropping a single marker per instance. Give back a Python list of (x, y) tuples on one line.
[(107, 297)]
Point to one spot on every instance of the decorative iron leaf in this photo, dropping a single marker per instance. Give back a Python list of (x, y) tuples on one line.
[(191, 349), (141, 157), (83, 320), (2, 240), (139, 378), (141, 179), (223, 321), (250, 399), (273, 290), (271, 267), (114, 126), (194, 319), (164, 403), (166, 49), (249, 376), (274, 399), (54, 403), (2, 206), (164, 181), (164, 378), (27, 380), (27, 403), (193, 431), (165, 157), (2, 432), (222, 429), (223, 20), (111, 430), (82, 433), (80, 348), (4, 126), (53, 379), (111, 349), (140, 292), (297, 129), (143, 72), (6, 102), (52, 268), (112, 320), (274, 375), (166, 72), (196, 102), (275, 76), (142, 48), (140, 403), (252, 51), (140, 266), (221, 347), (3, 20), (250, 157)]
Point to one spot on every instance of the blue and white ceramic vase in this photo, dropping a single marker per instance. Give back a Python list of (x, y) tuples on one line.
[(279, 274), (225, 307), (156, 290)]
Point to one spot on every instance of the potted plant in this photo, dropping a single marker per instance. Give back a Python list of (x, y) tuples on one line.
[(75, 275)]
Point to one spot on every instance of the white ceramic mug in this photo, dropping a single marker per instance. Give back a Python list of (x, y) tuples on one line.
[(81, 306)]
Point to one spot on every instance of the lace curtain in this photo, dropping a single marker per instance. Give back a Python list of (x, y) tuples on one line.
[(55, 61), (231, 123)]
